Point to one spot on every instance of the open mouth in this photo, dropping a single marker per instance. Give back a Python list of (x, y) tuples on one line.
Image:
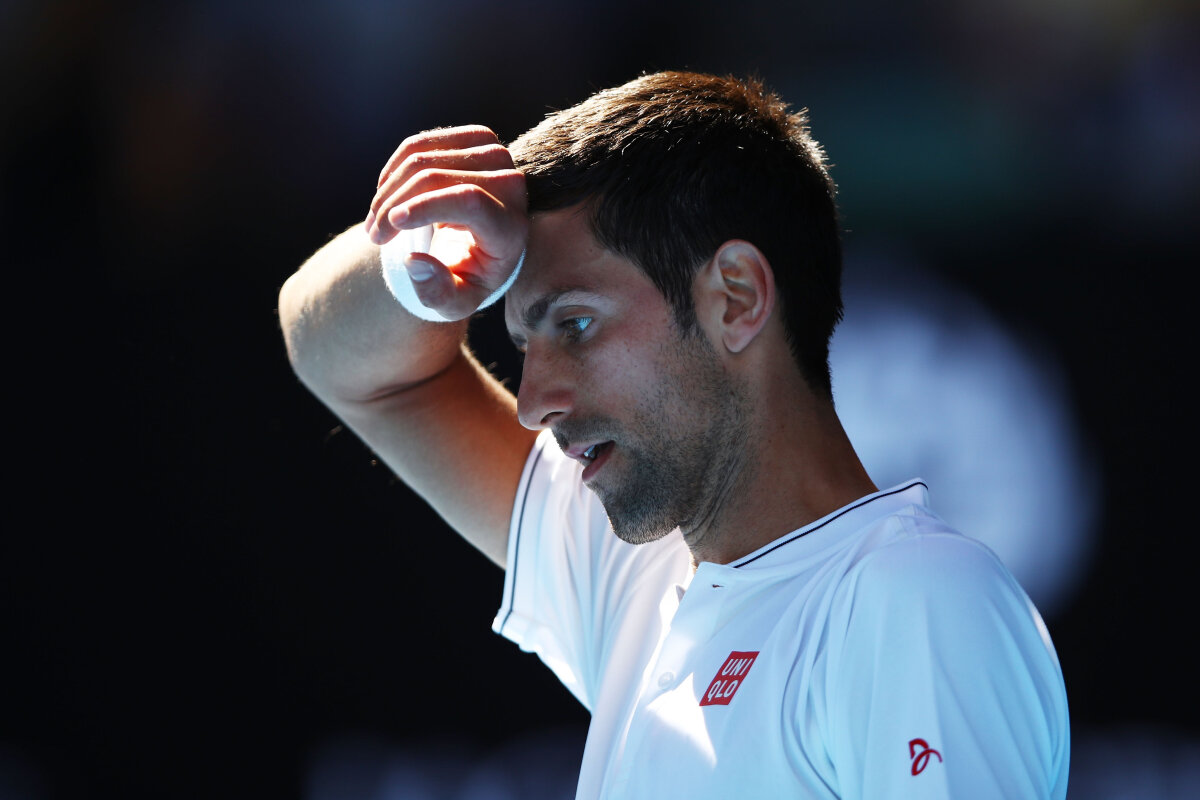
[(594, 458)]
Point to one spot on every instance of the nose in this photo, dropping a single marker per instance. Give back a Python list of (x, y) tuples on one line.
[(545, 395)]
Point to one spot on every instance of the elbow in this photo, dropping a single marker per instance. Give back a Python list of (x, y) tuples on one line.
[(294, 317)]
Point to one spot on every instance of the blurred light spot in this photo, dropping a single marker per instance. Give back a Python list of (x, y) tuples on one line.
[(929, 385)]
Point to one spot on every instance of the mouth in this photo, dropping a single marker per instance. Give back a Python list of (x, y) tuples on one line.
[(592, 457)]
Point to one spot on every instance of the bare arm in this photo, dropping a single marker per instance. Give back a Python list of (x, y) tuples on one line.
[(408, 388)]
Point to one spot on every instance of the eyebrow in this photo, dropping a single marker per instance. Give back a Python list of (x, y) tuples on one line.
[(533, 315), (536, 311)]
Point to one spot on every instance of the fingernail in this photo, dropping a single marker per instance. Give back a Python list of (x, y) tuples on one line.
[(418, 270), (398, 215)]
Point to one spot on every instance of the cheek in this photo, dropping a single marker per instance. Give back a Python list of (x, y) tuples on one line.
[(636, 372), (653, 394), (615, 384)]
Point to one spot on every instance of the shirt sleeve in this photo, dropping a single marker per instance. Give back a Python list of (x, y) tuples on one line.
[(543, 609), (943, 682)]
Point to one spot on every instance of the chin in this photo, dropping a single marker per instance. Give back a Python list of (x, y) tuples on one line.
[(645, 513), (638, 528)]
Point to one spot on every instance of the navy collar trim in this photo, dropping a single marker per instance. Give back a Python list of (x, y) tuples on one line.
[(836, 516)]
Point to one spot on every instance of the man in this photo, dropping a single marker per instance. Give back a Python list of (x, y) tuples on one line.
[(689, 538)]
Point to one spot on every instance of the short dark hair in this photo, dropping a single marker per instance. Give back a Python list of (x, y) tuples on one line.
[(673, 164)]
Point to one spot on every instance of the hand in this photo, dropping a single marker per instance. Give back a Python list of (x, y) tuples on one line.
[(461, 181)]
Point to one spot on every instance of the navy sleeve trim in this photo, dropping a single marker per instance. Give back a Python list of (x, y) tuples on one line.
[(512, 584)]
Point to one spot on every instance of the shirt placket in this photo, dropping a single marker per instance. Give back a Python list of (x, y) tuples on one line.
[(696, 618)]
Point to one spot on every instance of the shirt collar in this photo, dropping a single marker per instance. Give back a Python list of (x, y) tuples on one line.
[(822, 533)]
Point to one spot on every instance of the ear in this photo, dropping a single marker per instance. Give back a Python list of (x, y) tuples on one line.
[(735, 294)]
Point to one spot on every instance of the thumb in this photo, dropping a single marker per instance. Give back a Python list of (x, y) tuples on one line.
[(436, 287), (418, 297)]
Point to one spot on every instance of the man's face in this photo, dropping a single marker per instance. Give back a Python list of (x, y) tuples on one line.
[(650, 412)]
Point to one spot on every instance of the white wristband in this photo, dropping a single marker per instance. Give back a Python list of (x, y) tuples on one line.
[(398, 281)]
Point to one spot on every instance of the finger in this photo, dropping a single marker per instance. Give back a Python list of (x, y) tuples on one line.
[(458, 138), (483, 158), (452, 296), (505, 186), (399, 184), (489, 202), (498, 227)]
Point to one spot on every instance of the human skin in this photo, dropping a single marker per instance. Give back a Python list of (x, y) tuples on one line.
[(606, 365), (774, 458)]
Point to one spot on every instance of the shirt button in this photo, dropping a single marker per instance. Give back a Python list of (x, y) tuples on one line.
[(665, 679)]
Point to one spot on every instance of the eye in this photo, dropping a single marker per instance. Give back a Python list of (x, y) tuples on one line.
[(573, 327)]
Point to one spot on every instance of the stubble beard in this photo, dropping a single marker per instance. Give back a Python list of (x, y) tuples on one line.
[(682, 454)]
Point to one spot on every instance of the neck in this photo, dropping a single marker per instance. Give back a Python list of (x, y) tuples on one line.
[(797, 465)]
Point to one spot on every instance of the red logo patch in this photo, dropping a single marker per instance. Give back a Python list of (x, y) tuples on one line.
[(729, 679), (921, 759)]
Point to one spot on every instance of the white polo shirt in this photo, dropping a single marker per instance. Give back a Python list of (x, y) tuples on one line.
[(875, 653)]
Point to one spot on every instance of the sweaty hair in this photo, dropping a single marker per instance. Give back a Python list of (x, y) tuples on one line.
[(672, 165)]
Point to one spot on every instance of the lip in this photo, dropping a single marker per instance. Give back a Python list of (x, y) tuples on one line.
[(590, 470), (590, 467), (576, 451)]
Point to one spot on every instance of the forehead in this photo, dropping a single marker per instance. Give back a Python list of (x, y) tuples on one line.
[(563, 256)]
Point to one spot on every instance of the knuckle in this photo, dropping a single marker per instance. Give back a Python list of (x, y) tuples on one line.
[(495, 152), (418, 143), (412, 142), (511, 185), (481, 131), (414, 163), (426, 179), (511, 176), (472, 197), (421, 159), (433, 294), (424, 174)]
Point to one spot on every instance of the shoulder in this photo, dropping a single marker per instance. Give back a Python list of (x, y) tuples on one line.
[(916, 555), (924, 587), (930, 636)]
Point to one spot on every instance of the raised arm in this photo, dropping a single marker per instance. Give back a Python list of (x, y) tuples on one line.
[(410, 389)]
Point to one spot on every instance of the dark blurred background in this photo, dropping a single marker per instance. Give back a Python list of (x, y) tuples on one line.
[(211, 590)]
